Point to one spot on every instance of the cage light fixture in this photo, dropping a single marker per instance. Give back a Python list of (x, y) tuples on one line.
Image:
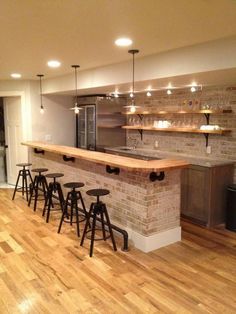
[(76, 108), (132, 107), (41, 94)]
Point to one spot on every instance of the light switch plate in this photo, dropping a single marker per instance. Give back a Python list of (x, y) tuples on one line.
[(48, 137), (208, 149)]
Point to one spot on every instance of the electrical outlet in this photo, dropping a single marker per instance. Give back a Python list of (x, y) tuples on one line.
[(208, 149), (48, 137), (156, 144)]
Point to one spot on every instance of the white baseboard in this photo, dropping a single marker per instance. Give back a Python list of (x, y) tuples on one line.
[(155, 241)]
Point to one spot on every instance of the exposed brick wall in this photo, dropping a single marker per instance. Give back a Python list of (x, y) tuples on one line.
[(223, 147), (134, 201)]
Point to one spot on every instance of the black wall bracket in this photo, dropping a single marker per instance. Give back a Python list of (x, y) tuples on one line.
[(65, 158), (39, 151), (206, 137), (154, 176), (111, 170)]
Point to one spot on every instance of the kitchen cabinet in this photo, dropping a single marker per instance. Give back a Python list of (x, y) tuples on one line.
[(203, 195)]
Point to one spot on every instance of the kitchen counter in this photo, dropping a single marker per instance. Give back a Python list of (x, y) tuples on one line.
[(199, 161), (144, 195), (111, 160)]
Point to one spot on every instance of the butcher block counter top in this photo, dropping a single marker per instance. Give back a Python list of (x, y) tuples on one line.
[(111, 160)]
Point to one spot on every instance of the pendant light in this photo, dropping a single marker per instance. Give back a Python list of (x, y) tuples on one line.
[(76, 108), (41, 95), (132, 107)]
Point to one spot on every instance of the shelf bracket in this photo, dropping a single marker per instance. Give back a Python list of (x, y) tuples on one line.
[(207, 116), (39, 151), (206, 137), (65, 158), (111, 170), (141, 134), (154, 176)]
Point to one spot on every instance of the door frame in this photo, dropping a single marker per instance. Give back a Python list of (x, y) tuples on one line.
[(25, 114)]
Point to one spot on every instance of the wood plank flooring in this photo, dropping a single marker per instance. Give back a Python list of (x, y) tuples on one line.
[(43, 272)]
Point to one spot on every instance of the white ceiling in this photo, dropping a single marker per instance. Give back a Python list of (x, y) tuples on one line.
[(83, 31)]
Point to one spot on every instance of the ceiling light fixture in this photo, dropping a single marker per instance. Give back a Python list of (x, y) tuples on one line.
[(132, 107), (123, 42), (54, 63), (41, 94), (169, 92), (76, 108), (16, 75), (193, 89), (149, 94)]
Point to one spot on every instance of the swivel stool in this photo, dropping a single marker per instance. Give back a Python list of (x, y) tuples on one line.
[(54, 188), (24, 173), (98, 209), (39, 184), (73, 196)]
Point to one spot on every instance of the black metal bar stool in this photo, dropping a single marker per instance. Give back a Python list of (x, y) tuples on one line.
[(24, 173), (39, 184), (96, 209), (73, 197), (54, 188)]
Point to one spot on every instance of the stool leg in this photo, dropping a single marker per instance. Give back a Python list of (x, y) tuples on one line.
[(36, 193), (103, 227), (32, 191), (18, 178), (71, 210), (109, 227), (60, 194), (23, 183), (77, 217), (64, 213), (26, 186), (86, 224), (49, 206), (93, 234)]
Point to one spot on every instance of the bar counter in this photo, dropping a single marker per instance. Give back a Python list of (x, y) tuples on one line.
[(144, 195)]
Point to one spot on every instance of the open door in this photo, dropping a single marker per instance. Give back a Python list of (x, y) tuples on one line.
[(15, 152)]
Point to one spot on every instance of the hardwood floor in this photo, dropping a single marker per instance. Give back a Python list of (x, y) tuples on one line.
[(43, 272)]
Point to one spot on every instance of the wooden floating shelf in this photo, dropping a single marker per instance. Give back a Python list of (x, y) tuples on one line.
[(109, 126), (182, 130), (163, 112)]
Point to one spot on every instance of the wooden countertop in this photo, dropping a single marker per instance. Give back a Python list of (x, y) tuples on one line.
[(111, 160)]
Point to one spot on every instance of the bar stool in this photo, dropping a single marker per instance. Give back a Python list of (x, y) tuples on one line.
[(73, 197), (96, 209), (24, 173), (39, 181), (53, 188)]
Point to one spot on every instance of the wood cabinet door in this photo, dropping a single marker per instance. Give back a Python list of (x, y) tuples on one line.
[(195, 197)]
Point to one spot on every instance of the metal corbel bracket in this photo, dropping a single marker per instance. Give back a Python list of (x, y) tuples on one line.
[(65, 158), (154, 176), (206, 137), (38, 151), (111, 170)]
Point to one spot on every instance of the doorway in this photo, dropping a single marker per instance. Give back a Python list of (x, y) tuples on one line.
[(3, 174)]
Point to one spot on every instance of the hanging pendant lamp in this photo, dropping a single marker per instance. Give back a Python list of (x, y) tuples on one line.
[(132, 107), (76, 108), (41, 95)]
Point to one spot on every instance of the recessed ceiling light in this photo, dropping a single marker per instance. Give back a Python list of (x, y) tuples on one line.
[(16, 75), (123, 42), (54, 63)]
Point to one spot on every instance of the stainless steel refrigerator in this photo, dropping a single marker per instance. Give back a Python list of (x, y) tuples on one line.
[(98, 124)]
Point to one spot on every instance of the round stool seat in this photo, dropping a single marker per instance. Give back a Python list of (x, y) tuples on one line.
[(54, 175), (39, 170), (73, 185), (98, 192), (24, 164)]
